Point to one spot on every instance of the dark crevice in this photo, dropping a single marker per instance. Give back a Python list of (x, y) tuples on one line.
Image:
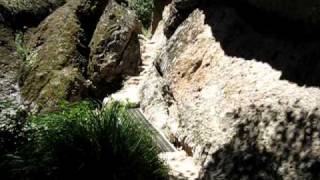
[(105, 88), (157, 13), (89, 15)]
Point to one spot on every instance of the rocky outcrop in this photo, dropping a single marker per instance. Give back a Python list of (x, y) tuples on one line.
[(55, 67), (19, 13), (114, 47), (234, 97), (85, 48)]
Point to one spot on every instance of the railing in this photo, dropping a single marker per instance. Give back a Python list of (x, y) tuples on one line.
[(161, 141)]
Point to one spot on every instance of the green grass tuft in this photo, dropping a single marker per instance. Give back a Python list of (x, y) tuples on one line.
[(82, 143), (20, 46)]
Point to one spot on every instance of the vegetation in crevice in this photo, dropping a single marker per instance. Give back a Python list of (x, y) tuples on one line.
[(20, 45), (144, 10)]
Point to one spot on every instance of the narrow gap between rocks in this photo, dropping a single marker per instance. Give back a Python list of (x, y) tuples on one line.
[(88, 23)]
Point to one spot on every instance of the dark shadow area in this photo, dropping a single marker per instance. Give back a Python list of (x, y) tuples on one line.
[(234, 164), (248, 33), (157, 13), (104, 89), (29, 17), (88, 22), (286, 154)]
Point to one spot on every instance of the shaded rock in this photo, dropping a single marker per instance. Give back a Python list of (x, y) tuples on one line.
[(157, 13), (114, 47), (179, 10), (304, 11), (231, 97), (12, 114), (56, 62), (19, 13)]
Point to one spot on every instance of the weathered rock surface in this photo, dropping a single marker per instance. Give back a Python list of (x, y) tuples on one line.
[(231, 97), (57, 60), (11, 110), (178, 11), (19, 13), (114, 47)]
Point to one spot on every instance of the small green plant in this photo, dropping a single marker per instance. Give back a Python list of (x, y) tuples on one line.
[(20, 47), (81, 142), (147, 33), (5, 104), (144, 10)]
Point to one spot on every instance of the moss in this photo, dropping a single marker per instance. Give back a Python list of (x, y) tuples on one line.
[(112, 54), (52, 64)]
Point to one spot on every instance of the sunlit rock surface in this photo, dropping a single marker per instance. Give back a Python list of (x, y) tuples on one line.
[(234, 98)]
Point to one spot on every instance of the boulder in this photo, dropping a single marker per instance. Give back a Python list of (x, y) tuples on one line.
[(19, 13), (55, 67), (244, 104), (179, 10), (115, 50)]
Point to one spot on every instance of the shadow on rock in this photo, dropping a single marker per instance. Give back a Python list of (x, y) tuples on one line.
[(267, 146), (245, 32)]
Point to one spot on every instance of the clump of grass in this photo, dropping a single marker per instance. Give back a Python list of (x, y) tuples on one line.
[(144, 10), (82, 143)]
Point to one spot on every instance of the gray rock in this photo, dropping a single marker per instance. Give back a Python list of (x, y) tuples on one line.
[(115, 50), (53, 69)]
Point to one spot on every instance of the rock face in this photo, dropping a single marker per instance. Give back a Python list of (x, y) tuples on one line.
[(84, 39), (178, 12), (57, 60), (231, 96), (114, 46), (10, 64), (19, 13)]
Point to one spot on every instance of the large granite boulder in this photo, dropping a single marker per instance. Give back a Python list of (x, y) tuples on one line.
[(55, 67), (19, 13), (115, 50), (235, 98)]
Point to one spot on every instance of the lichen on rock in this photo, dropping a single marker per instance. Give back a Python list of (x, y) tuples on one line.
[(54, 67), (235, 97), (114, 46)]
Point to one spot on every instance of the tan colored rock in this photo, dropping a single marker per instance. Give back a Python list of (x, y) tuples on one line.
[(181, 166), (220, 95)]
